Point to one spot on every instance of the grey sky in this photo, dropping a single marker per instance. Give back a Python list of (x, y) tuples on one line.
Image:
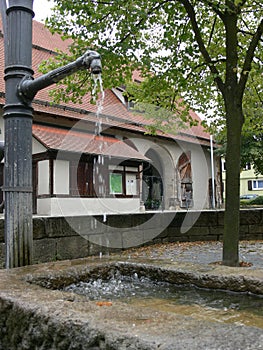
[(41, 9)]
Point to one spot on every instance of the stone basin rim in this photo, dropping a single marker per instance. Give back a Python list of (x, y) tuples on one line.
[(241, 280), (26, 305)]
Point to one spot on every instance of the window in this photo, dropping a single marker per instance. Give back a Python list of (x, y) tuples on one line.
[(89, 179), (116, 186), (123, 180), (81, 179), (247, 167), (257, 185), (131, 184)]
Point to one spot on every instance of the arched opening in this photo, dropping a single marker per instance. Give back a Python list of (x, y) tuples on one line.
[(152, 185), (185, 193)]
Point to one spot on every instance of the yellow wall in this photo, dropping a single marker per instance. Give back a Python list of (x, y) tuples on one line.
[(245, 176)]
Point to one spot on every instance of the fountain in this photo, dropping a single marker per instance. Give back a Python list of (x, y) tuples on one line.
[(134, 304), (63, 305)]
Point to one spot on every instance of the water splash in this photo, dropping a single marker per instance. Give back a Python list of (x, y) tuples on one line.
[(204, 304)]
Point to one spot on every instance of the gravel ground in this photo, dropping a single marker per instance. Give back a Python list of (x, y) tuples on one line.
[(250, 252)]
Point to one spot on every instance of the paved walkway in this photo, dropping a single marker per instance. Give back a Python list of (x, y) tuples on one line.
[(250, 252)]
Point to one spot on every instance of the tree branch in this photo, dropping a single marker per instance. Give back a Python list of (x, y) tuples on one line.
[(143, 19), (212, 32), (191, 13), (214, 7), (257, 92), (241, 4), (249, 57)]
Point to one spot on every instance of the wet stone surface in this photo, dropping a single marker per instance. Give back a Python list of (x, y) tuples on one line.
[(250, 252), (36, 313)]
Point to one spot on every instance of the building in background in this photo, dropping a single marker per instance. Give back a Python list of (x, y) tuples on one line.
[(80, 171), (251, 185)]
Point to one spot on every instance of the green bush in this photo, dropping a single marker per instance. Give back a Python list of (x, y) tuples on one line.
[(256, 201)]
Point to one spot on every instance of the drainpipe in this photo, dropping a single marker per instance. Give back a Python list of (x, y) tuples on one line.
[(20, 89), (212, 172)]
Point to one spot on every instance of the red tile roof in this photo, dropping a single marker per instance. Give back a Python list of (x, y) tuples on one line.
[(114, 114), (60, 139), (42, 37)]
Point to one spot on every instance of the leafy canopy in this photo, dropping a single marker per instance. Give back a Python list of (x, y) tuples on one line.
[(157, 36)]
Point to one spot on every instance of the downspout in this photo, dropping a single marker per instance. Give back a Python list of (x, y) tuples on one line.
[(212, 172)]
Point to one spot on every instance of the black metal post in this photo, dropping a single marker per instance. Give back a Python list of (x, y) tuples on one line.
[(21, 88), (18, 136)]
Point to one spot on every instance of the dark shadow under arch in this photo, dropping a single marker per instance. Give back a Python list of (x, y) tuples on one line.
[(152, 188)]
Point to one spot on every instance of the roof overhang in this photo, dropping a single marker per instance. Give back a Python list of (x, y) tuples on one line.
[(69, 140)]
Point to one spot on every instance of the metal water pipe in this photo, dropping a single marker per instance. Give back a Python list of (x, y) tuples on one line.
[(28, 87), (18, 113)]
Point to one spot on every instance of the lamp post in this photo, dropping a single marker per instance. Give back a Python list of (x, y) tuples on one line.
[(18, 136), (18, 114)]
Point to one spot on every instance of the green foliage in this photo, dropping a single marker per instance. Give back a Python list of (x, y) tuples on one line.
[(157, 100), (252, 152), (253, 202), (257, 201), (251, 146), (165, 38)]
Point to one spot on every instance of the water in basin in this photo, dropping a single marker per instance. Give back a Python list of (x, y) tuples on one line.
[(214, 305)]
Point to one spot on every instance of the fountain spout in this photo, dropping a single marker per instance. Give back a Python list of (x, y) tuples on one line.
[(28, 87), (93, 61)]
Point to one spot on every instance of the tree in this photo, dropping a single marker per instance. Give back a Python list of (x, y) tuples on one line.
[(251, 150), (252, 131), (204, 49)]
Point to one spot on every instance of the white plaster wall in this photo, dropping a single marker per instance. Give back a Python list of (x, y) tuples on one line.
[(169, 153), (201, 172), (61, 177), (43, 177), (169, 171), (87, 206), (37, 147), (44, 206)]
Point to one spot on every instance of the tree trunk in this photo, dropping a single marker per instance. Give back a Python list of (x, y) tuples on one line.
[(234, 121), (231, 219)]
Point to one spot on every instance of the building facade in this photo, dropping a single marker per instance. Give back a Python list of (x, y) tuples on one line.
[(85, 164), (251, 184)]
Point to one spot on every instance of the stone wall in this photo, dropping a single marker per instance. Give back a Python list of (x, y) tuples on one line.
[(60, 238)]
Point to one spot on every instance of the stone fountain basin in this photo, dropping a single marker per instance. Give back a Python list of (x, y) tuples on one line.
[(35, 314)]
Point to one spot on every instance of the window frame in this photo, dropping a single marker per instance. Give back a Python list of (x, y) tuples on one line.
[(255, 185), (124, 170)]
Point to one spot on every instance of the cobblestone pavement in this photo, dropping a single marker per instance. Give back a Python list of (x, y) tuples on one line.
[(250, 252)]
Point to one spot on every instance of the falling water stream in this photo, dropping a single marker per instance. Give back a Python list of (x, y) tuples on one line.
[(99, 96), (203, 304), (98, 87), (98, 178)]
